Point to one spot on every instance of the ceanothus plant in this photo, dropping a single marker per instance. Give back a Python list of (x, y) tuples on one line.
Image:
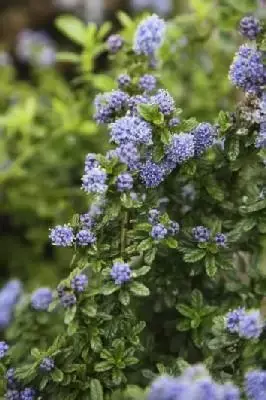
[(166, 267)]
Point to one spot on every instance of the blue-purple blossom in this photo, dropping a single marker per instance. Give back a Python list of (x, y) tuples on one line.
[(85, 237), (204, 136), (250, 27), (10, 378), (168, 388), (124, 80), (124, 182), (228, 391), (68, 300), (131, 129), (153, 216), (149, 35), (90, 162), (201, 234), (251, 325), (152, 174), (147, 82), (120, 272), (255, 385), (173, 228), (114, 43), (128, 154), (107, 105), (94, 181), (181, 148), (158, 232), (9, 296), (164, 101), (12, 394), (247, 70), (136, 100), (174, 122), (47, 364), (86, 220), (3, 349), (28, 394), (220, 239), (232, 319), (41, 299), (79, 283), (202, 389), (62, 235), (260, 142)]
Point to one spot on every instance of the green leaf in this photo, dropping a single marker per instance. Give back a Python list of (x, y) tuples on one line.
[(124, 297), (35, 353), (103, 82), (166, 136), (151, 113), (124, 19), (185, 310), (210, 265), (143, 227), (96, 344), (102, 366), (72, 27), (145, 245), (89, 310), (44, 382), (141, 271), (214, 190), (233, 148), (183, 325), (139, 289), (67, 56), (109, 288), (150, 256), (196, 299), (96, 390), (104, 29), (70, 314), (259, 205), (171, 242), (57, 375), (193, 256)]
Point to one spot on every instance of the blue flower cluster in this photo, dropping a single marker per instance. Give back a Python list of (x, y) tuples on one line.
[(149, 36), (108, 104), (204, 137), (202, 234), (147, 83), (124, 80), (41, 299), (14, 389), (90, 162), (3, 349), (67, 299), (152, 174), (250, 27), (248, 71), (94, 181), (164, 101), (120, 273), (159, 230), (62, 236), (131, 129), (115, 43), (124, 182), (181, 148), (85, 237), (47, 364), (260, 142), (193, 384), (248, 325), (255, 385), (79, 283), (9, 296)]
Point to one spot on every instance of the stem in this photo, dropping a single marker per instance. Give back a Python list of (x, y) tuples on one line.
[(123, 233)]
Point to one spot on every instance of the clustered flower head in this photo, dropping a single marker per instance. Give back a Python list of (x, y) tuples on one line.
[(41, 299), (47, 364), (124, 80), (149, 36), (3, 349), (67, 299), (108, 104), (248, 71), (204, 136), (201, 234), (248, 325), (153, 216), (131, 129), (128, 154), (147, 83), (152, 174), (255, 385), (250, 27), (260, 142), (174, 122), (79, 283), (161, 230), (9, 296), (124, 182), (85, 237), (221, 239), (90, 162), (27, 394), (120, 273), (94, 181), (192, 385), (158, 232), (181, 148), (164, 101), (62, 235), (115, 43)]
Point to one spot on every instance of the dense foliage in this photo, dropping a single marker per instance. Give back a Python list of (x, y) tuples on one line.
[(167, 267)]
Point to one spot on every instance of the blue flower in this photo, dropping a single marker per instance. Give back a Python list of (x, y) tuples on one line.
[(147, 82), (128, 154), (251, 325), (164, 101), (174, 122), (136, 100), (124, 182), (47, 364), (11, 380), (255, 385), (120, 273), (247, 70), (250, 27), (131, 129), (86, 220), (94, 181), (3, 349), (158, 232), (123, 80), (62, 236), (173, 229), (41, 299), (229, 392), (149, 35), (232, 319), (27, 394), (221, 239), (12, 394), (153, 216), (204, 136), (201, 234), (260, 142), (79, 283), (90, 162), (114, 43), (181, 148), (68, 299), (108, 104), (152, 174), (85, 237), (168, 388)]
